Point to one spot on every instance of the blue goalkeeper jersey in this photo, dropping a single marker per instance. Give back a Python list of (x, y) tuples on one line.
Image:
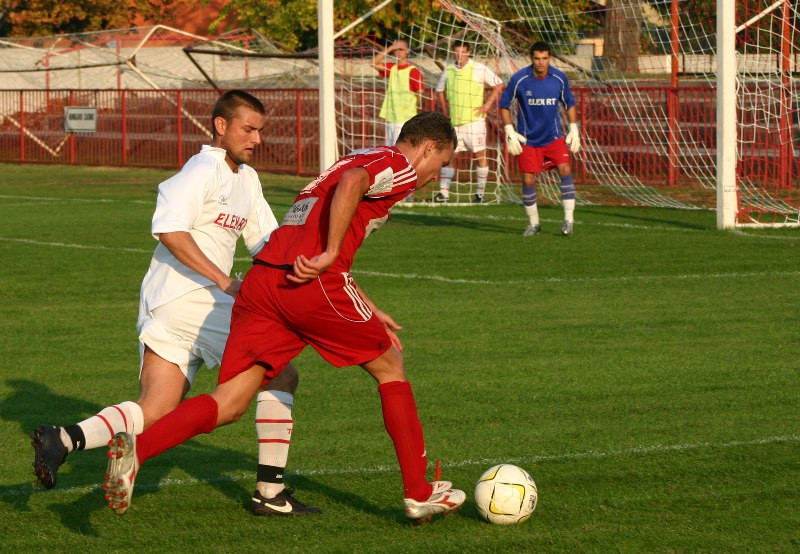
[(537, 103)]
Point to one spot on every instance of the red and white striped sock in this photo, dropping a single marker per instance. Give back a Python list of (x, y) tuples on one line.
[(402, 423), (274, 431), (100, 428)]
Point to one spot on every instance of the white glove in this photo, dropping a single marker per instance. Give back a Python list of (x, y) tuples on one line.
[(514, 140), (573, 138)]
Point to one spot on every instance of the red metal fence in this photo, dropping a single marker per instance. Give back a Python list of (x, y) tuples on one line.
[(146, 128), (149, 128)]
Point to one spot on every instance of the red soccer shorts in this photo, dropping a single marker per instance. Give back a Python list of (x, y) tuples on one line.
[(536, 159), (273, 320)]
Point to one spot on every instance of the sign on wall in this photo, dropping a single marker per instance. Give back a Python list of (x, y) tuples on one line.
[(80, 119)]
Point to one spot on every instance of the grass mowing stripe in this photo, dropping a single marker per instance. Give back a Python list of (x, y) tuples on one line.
[(416, 276), (731, 275), (79, 246), (588, 455), (56, 199)]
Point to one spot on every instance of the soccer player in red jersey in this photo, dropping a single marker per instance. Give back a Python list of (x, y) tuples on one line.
[(300, 293)]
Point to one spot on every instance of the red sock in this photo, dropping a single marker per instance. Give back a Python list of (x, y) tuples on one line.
[(402, 423), (191, 417)]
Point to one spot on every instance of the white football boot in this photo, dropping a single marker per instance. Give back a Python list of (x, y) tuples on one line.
[(443, 500), (531, 230), (121, 472)]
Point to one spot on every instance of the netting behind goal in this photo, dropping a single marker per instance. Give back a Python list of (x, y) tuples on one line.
[(361, 91), (644, 76)]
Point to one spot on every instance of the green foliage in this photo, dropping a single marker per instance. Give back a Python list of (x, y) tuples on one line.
[(644, 371), (293, 23), (50, 17)]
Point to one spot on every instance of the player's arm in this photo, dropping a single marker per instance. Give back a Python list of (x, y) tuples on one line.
[(443, 101), (185, 249), (573, 138), (387, 321), (572, 115), (440, 88), (351, 189), (417, 86), (505, 115), (377, 61), (497, 90), (514, 140)]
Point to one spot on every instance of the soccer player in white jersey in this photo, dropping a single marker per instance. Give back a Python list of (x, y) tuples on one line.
[(538, 139), (461, 90), (186, 300)]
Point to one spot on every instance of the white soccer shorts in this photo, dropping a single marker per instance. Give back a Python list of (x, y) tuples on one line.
[(392, 132), (189, 331), (471, 136)]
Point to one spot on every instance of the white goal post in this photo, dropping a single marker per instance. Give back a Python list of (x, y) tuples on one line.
[(726, 116)]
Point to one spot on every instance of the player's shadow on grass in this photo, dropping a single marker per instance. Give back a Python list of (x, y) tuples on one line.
[(628, 215), (348, 498), (431, 220), (78, 495), (31, 403)]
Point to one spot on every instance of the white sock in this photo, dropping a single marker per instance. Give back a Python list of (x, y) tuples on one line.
[(569, 210), (100, 428), (533, 213), (483, 175), (274, 431)]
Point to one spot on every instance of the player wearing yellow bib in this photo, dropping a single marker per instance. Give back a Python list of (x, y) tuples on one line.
[(461, 91), (403, 89)]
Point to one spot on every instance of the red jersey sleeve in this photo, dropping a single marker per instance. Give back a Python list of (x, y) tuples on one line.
[(416, 82), (385, 72), (389, 174)]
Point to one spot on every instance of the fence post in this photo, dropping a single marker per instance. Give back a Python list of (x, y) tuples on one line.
[(363, 117), (298, 131), (21, 128), (124, 127), (71, 135), (582, 120), (179, 123)]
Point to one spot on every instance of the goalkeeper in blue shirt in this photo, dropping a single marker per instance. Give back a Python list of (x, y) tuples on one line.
[(538, 138)]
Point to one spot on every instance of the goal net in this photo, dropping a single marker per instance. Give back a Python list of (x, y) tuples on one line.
[(644, 75), (361, 91)]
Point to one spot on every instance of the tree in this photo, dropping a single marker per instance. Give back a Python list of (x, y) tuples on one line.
[(48, 17), (623, 34), (293, 23)]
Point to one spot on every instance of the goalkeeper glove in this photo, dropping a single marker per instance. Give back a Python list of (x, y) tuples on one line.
[(514, 140), (573, 138)]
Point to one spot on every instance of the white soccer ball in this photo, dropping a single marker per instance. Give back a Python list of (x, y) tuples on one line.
[(506, 494)]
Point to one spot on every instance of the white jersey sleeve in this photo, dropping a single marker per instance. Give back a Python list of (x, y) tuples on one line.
[(181, 197), (442, 83), (485, 75)]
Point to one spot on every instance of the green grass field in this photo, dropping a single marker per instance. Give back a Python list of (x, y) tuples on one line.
[(645, 371)]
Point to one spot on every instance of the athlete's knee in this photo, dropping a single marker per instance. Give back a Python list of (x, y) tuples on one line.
[(229, 409), (285, 381), (154, 409), (387, 367), (233, 397)]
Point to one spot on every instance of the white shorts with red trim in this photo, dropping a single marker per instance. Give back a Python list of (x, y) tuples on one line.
[(189, 331), (471, 136)]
